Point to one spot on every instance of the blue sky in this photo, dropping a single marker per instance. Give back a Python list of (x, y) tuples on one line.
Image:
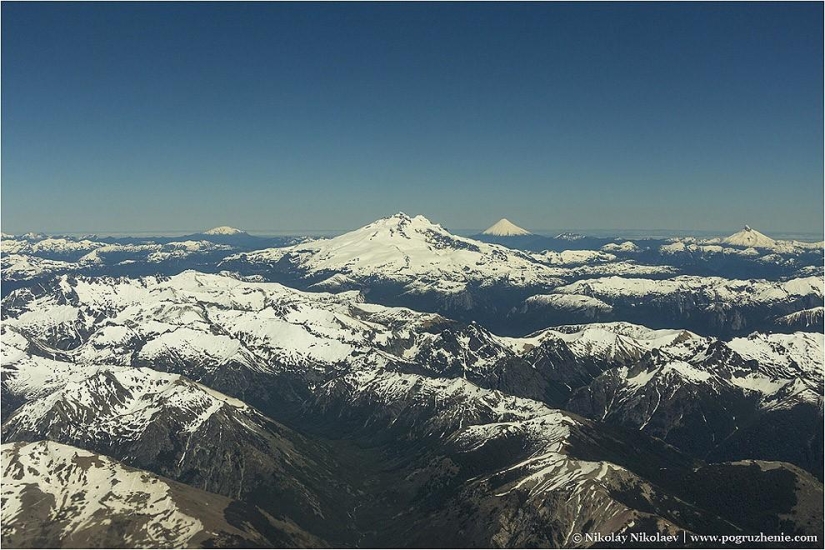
[(268, 116)]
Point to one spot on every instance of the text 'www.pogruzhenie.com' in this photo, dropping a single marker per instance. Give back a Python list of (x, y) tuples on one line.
[(688, 538)]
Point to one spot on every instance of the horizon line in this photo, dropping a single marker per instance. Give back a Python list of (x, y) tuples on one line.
[(596, 232)]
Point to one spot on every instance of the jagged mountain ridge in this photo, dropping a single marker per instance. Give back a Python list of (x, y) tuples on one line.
[(699, 395), (188, 432), (270, 344), (212, 321), (524, 448), (708, 305)]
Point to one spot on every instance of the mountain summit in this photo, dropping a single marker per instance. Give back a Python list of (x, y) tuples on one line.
[(751, 238), (505, 228), (224, 230), (412, 251)]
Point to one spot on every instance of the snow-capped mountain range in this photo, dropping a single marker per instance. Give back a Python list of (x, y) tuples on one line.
[(709, 305), (23, 257), (411, 251), (324, 393), (412, 262), (203, 325), (352, 360), (749, 238)]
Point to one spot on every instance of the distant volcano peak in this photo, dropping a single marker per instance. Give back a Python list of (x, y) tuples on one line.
[(505, 228), (224, 230), (751, 238)]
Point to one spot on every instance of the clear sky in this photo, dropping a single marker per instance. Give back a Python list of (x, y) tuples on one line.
[(121, 117)]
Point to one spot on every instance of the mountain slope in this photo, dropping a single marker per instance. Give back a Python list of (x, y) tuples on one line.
[(60, 496), (188, 432), (712, 399), (493, 470)]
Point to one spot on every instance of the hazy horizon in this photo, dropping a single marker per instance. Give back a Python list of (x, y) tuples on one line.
[(125, 117), (637, 233)]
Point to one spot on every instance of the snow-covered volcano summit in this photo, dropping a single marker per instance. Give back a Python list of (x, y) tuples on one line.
[(412, 251), (224, 230), (750, 237), (505, 228)]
